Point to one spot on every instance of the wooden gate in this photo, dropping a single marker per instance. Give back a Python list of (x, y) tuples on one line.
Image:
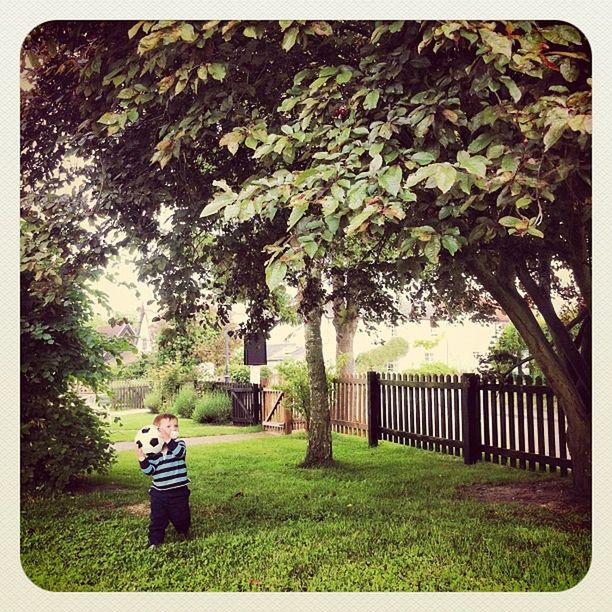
[(246, 404)]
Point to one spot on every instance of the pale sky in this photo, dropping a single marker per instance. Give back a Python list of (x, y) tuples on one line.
[(123, 299)]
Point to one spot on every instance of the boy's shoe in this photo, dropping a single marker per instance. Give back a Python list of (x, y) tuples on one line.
[(152, 546)]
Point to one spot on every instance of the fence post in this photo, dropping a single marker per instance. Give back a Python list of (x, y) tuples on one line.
[(256, 404), (470, 418), (373, 408)]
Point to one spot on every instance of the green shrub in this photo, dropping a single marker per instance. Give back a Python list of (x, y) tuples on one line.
[(185, 401), (435, 367), (377, 358), (213, 407), (62, 441), (153, 402), (294, 382)]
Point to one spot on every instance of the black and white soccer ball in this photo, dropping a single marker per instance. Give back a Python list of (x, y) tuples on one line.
[(149, 440)]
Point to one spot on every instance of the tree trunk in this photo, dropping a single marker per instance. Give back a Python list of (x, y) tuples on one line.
[(501, 285), (346, 320), (345, 324), (319, 451)]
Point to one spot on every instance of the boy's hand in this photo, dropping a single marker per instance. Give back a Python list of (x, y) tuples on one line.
[(139, 453)]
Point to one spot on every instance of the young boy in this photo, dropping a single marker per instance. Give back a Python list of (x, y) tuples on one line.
[(169, 492)]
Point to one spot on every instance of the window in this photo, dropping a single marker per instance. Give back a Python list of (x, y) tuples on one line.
[(428, 357)]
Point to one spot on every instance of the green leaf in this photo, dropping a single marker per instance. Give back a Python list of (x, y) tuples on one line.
[(474, 165), (510, 221), (134, 30), (390, 180), (275, 274), (535, 232), (514, 91), (523, 202), (332, 222), (509, 163), (481, 142), (284, 24), (371, 100), (187, 32), (217, 71), (375, 164), (250, 32), (444, 175), (288, 104), (356, 194), (432, 249), (358, 220), (498, 42), (422, 158), (290, 38), (376, 148), (450, 243), (310, 247), (344, 77), (108, 118), (297, 213), (494, 151), (219, 202), (555, 131), (302, 177)]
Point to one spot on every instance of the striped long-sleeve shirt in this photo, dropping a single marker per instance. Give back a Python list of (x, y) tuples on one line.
[(169, 470)]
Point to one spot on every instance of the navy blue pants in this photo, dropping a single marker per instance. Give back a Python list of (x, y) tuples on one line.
[(169, 507)]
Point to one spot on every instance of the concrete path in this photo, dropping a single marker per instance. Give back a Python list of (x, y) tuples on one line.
[(121, 446)]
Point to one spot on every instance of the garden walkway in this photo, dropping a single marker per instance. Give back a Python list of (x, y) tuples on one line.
[(120, 446)]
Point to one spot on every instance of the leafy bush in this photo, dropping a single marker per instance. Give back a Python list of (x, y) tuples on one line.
[(294, 382), (377, 358), (168, 378), (213, 407), (435, 367), (62, 443), (239, 373), (136, 369), (153, 402), (185, 401), (62, 437)]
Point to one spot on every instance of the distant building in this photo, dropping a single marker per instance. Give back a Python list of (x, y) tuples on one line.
[(458, 345), (124, 330)]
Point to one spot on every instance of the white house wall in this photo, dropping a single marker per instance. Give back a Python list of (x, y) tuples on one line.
[(459, 345)]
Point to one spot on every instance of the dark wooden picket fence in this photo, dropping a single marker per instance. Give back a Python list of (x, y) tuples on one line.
[(516, 423), (128, 394)]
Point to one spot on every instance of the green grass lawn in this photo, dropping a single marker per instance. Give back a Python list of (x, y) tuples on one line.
[(383, 519), (125, 429)]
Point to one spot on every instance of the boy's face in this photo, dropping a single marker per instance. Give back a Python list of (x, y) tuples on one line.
[(166, 427)]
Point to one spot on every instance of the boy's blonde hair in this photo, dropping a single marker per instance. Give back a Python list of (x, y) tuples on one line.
[(164, 415)]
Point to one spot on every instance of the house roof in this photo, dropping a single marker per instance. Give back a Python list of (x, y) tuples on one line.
[(113, 331), (285, 350)]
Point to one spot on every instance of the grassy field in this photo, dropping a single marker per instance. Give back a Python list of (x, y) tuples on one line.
[(126, 427), (383, 519)]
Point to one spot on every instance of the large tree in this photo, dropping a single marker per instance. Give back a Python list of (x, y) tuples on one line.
[(468, 142), (141, 89)]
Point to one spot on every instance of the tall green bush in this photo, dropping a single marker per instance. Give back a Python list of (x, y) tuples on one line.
[(295, 385), (153, 402), (62, 437), (185, 401), (377, 358), (213, 407)]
